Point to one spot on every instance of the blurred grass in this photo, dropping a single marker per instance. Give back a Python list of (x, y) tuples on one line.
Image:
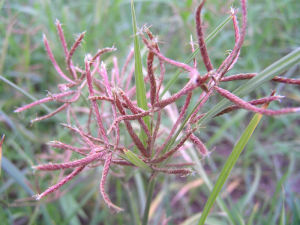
[(273, 32)]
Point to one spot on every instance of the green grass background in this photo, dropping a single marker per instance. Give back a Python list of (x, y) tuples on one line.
[(267, 171)]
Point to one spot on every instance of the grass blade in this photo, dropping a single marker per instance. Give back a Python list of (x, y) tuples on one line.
[(282, 220), (200, 170), (135, 160), (232, 159), (16, 174), (252, 189), (210, 221), (138, 179), (68, 205), (133, 205), (1, 143), (138, 72), (253, 214), (194, 54), (74, 210), (23, 92)]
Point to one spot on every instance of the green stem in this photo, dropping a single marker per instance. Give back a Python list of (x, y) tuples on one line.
[(150, 190)]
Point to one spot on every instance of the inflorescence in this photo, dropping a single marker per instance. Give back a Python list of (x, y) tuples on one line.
[(111, 103)]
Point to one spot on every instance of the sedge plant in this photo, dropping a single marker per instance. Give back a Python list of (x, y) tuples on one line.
[(130, 101)]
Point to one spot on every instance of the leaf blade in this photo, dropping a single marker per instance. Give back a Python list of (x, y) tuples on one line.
[(16, 174), (23, 92), (135, 160), (230, 162), (138, 73), (1, 143)]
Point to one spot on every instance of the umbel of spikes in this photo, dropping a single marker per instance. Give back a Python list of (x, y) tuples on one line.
[(112, 102)]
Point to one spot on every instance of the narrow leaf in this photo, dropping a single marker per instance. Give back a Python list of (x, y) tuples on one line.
[(232, 159), (77, 209), (23, 92), (135, 160), (210, 221), (138, 72), (16, 174), (1, 143), (68, 204), (282, 215), (253, 214), (248, 198)]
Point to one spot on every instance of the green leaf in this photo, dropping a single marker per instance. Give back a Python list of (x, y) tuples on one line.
[(77, 208), (68, 205), (16, 174), (248, 198), (131, 198), (140, 188), (23, 92), (138, 72), (201, 171), (252, 215), (282, 216), (1, 143), (135, 160), (232, 159), (210, 220)]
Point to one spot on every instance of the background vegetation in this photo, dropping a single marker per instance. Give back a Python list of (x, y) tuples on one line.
[(266, 176)]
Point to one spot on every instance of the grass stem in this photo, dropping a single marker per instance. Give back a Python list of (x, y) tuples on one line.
[(150, 189)]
